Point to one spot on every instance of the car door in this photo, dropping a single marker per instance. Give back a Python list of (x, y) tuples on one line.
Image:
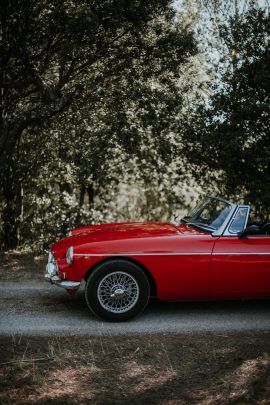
[(240, 266)]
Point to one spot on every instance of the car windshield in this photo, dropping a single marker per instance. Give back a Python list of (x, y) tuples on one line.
[(208, 215)]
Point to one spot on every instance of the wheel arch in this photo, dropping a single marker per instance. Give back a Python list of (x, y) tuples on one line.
[(151, 280)]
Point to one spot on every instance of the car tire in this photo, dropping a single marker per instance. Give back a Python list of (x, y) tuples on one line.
[(117, 290)]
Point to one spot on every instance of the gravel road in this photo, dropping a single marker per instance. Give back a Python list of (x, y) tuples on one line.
[(39, 309)]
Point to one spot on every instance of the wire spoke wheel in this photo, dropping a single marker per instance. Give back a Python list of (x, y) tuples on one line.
[(118, 292)]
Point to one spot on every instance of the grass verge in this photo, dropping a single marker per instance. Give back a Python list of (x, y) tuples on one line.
[(162, 369), (18, 266)]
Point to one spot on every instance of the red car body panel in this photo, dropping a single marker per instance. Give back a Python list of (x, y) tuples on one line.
[(241, 268), (219, 251), (185, 263)]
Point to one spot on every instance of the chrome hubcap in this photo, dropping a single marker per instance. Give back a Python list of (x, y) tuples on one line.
[(118, 292)]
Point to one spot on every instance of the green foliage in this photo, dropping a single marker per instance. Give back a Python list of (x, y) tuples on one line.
[(228, 137), (89, 96), (108, 112)]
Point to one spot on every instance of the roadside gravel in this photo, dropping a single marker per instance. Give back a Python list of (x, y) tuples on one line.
[(39, 309)]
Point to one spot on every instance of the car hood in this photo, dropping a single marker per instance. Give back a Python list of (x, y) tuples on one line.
[(105, 235)]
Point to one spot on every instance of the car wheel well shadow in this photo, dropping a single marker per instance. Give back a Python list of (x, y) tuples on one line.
[(152, 283)]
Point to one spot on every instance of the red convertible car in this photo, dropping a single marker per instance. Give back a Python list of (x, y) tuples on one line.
[(217, 252)]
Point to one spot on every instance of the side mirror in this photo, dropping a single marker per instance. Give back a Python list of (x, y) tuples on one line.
[(250, 230)]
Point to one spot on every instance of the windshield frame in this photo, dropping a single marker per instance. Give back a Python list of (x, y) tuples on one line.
[(199, 208)]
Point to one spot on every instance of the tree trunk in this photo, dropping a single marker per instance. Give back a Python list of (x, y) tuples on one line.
[(81, 201), (91, 195), (12, 212), (82, 195), (10, 186)]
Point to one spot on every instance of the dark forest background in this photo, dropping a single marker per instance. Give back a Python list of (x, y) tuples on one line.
[(128, 110)]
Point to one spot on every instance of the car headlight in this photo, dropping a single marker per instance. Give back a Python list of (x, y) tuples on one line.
[(51, 269), (50, 258), (70, 255), (68, 232)]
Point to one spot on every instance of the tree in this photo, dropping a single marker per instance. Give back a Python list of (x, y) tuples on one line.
[(55, 56), (228, 139)]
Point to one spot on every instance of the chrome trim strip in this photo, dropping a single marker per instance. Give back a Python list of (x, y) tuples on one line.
[(240, 253), (66, 284), (141, 254), (171, 254)]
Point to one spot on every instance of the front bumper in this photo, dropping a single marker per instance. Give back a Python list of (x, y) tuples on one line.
[(51, 275)]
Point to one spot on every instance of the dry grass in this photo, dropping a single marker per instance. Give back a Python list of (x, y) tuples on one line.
[(204, 369), (15, 266)]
